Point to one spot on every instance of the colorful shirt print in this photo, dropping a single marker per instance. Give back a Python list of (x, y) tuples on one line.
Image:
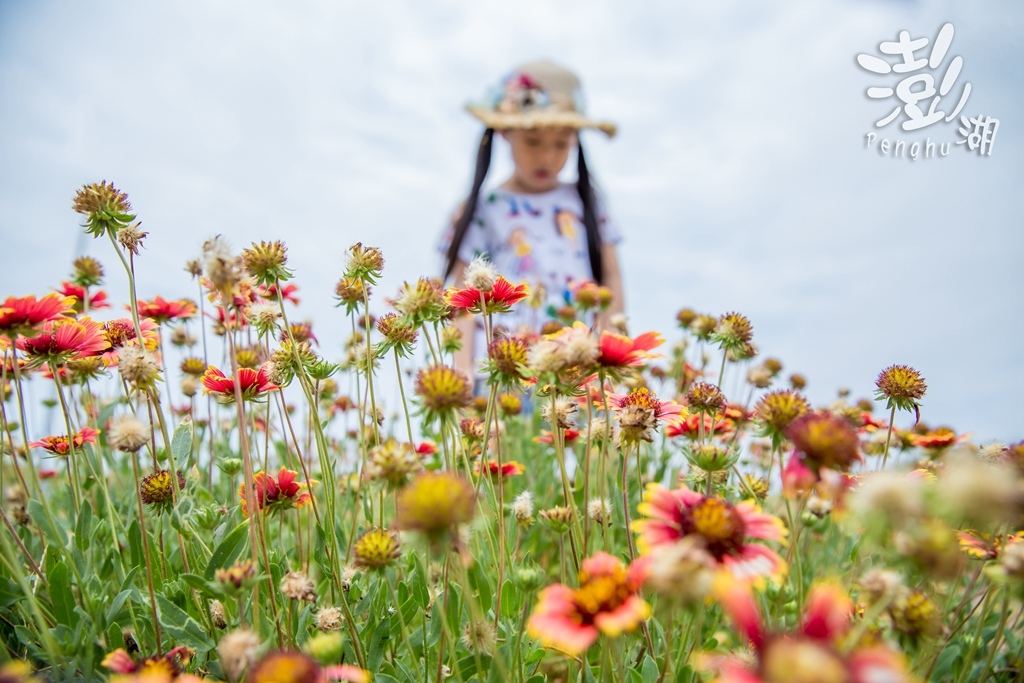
[(534, 238)]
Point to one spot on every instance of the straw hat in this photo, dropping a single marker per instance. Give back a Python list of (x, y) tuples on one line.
[(535, 95)]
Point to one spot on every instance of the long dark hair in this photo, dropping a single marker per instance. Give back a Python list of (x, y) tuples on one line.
[(583, 186)]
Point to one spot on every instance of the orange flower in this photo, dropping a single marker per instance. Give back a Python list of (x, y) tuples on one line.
[(499, 300), (253, 384), (942, 437), (568, 436), (63, 340), (814, 652), (157, 667), (606, 602), (618, 350), (21, 315), (81, 294), (282, 493), (59, 445), (162, 311), (507, 469), (724, 528), (287, 292)]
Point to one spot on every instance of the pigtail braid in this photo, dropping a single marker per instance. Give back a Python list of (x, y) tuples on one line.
[(589, 200)]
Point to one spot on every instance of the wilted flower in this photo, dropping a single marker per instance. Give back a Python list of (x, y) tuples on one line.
[(328, 619), (606, 602), (130, 237), (298, 586)]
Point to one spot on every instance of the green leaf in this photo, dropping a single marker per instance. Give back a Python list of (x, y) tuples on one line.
[(467, 666), (944, 665), (228, 550), (511, 600), (59, 586), (114, 609), (82, 535), (183, 629), (198, 583), (181, 444), (38, 515), (384, 678), (378, 644), (135, 543), (649, 670)]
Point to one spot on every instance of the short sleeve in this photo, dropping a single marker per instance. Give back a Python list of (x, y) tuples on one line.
[(474, 243)]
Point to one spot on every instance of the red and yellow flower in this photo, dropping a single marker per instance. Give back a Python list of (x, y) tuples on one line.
[(287, 292), (606, 602), (81, 295), (253, 384), (120, 332), (63, 340), (937, 439), (162, 311), (724, 529), (618, 351), (690, 426), (275, 493), (21, 315), (60, 445), (984, 546), (813, 653), (163, 667), (505, 469), (498, 300)]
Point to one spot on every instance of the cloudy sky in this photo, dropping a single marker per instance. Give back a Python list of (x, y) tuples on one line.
[(740, 178)]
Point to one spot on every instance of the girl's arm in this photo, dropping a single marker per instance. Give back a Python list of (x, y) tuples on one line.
[(613, 281), (467, 325)]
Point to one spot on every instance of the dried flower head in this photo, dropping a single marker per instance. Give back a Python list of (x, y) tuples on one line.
[(266, 261), (443, 389), (193, 366), (87, 271), (733, 332), (398, 335), (547, 355), (350, 292), (127, 433), (130, 237), (599, 510), (798, 381), (481, 274), (681, 571), (393, 462), (364, 263), (559, 413), (509, 405), (916, 615), (237, 651), (878, 584), (902, 386), (237, 576), (158, 488), (223, 269), (328, 619), (522, 508), (704, 397), (298, 586), (376, 549), (435, 503), (217, 615), (138, 367), (105, 207), (479, 635), (507, 355)]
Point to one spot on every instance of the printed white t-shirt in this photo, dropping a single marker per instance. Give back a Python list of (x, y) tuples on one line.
[(538, 239)]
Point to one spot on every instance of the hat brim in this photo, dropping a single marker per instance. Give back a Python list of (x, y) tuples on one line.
[(539, 119)]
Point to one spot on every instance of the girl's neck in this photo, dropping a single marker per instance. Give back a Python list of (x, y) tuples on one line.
[(514, 186)]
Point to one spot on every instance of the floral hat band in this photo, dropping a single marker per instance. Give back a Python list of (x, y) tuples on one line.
[(537, 95)]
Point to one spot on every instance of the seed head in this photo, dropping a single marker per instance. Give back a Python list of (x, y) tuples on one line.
[(237, 576), (266, 261), (479, 635), (797, 381), (902, 386), (481, 274), (685, 317), (507, 354), (705, 398), (298, 586), (127, 433), (237, 651), (443, 389), (87, 271), (105, 207), (558, 518), (825, 441), (522, 508), (223, 269), (328, 619), (509, 404), (217, 615), (376, 549), (130, 237), (778, 409), (599, 510), (547, 355), (560, 414), (364, 263), (733, 332), (916, 615), (392, 462)]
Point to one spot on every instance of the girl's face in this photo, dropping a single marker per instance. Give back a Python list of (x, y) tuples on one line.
[(539, 155)]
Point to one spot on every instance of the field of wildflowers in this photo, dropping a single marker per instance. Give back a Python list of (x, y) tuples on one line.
[(224, 501)]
